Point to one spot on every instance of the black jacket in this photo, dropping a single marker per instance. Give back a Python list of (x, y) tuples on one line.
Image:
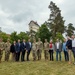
[(13, 48), (69, 44)]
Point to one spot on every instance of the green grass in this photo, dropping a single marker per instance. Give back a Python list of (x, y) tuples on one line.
[(41, 67)]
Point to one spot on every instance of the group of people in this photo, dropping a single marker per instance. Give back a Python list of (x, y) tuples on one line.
[(24, 49)]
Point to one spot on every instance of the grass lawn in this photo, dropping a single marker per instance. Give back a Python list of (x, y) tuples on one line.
[(36, 67)]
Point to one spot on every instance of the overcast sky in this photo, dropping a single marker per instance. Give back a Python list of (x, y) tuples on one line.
[(15, 15)]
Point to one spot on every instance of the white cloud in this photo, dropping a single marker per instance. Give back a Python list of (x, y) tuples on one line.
[(15, 15)]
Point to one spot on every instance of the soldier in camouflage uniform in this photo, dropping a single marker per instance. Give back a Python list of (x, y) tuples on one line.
[(39, 48), (7, 50), (34, 50), (1, 49), (46, 49)]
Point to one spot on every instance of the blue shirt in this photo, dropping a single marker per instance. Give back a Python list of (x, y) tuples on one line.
[(64, 46), (30, 44)]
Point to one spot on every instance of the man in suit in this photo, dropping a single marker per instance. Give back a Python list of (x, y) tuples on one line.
[(58, 48), (18, 49), (69, 47), (23, 50), (28, 48)]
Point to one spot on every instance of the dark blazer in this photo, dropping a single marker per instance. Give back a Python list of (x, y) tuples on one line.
[(18, 48), (28, 47), (23, 47), (13, 48), (69, 44)]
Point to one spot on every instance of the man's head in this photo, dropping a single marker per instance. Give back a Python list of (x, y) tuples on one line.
[(57, 40), (72, 36), (39, 39), (29, 40), (24, 40), (18, 40), (64, 40), (45, 40), (68, 38), (14, 42), (34, 40)]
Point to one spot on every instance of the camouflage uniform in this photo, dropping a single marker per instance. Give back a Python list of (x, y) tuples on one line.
[(1, 49), (7, 51), (46, 49), (34, 50), (39, 49)]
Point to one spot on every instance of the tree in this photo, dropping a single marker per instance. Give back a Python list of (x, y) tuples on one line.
[(22, 36), (59, 36), (70, 29), (14, 36), (4, 36), (55, 22), (43, 33)]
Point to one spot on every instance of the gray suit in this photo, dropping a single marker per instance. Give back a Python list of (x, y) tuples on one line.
[(58, 51), (60, 46)]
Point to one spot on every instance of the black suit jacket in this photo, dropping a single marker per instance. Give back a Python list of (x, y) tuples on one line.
[(28, 47), (23, 47), (13, 48), (69, 44)]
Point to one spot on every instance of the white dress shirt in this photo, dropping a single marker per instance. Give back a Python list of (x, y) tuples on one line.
[(73, 42), (57, 45)]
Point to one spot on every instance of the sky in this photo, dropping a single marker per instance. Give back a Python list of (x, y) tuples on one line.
[(15, 15)]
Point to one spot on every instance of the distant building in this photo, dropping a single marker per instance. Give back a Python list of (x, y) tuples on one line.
[(33, 26)]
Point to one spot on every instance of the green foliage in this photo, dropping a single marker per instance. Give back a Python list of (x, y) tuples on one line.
[(4, 36), (43, 33), (70, 29), (21, 36), (56, 22), (14, 36), (59, 36)]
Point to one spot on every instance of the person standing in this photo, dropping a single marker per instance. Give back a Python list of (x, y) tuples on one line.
[(7, 50), (18, 49), (51, 50), (65, 51), (28, 48), (1, 48), (34, 50), (73, 47), (46, 49), (39, 48), (12, 50), (58, 48), (69, 47), (23, 50)]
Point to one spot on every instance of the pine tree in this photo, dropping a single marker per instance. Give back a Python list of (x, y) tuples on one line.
[(70, 29), (55, 22)]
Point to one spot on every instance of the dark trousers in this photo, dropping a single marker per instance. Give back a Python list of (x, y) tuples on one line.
[(66, 56), (23, 55), (51, 55), (73, 49), (58, 53), (28, 53), (17, 56)]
